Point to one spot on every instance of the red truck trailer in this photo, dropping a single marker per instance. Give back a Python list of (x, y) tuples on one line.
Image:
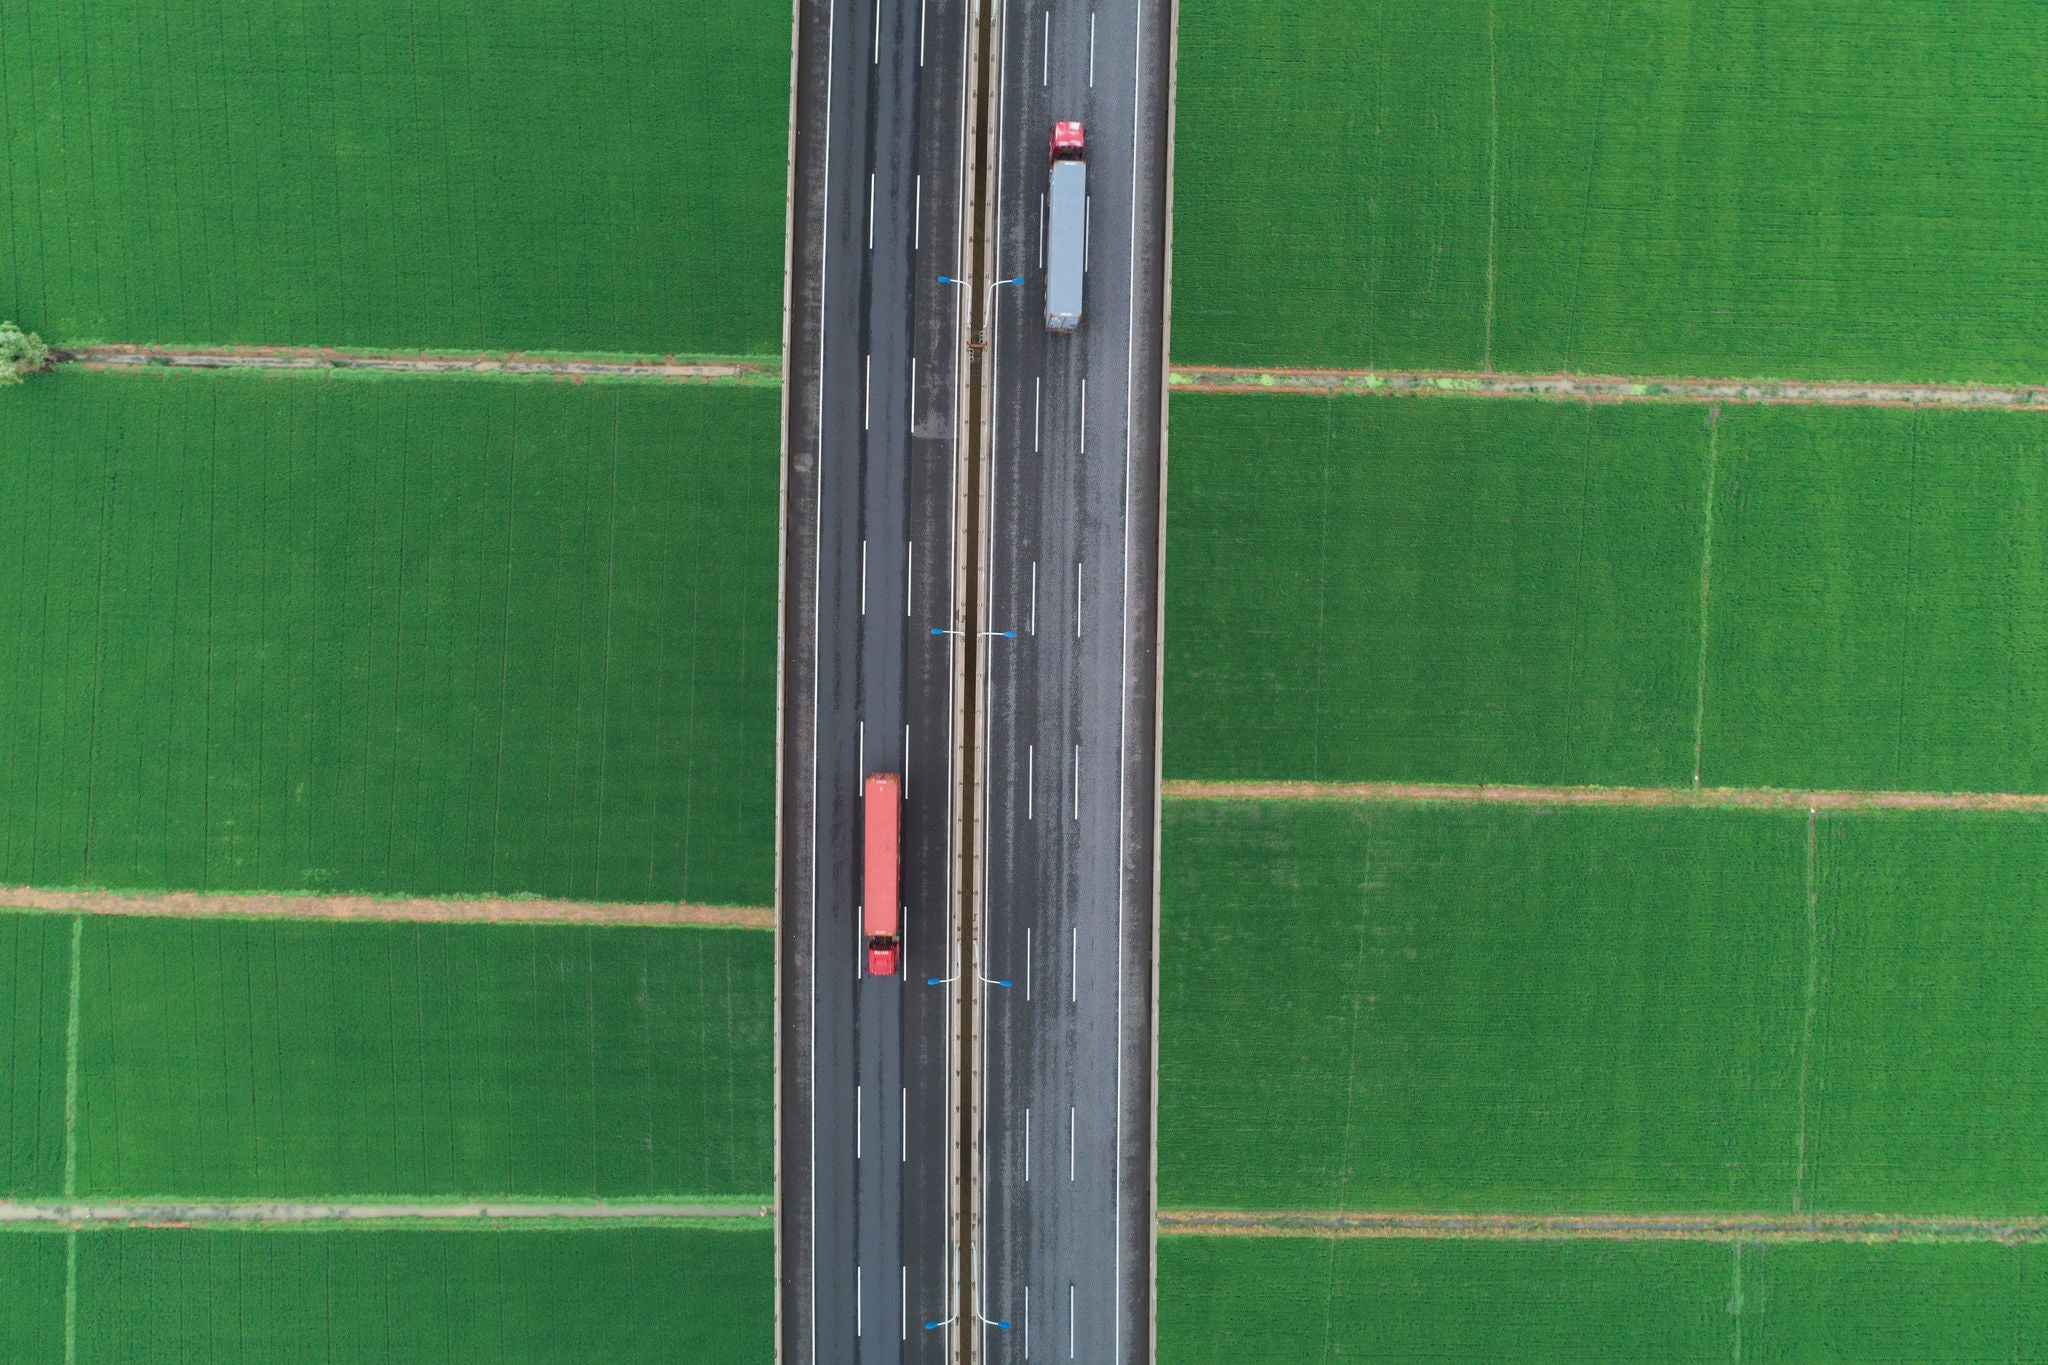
[(881, 901)]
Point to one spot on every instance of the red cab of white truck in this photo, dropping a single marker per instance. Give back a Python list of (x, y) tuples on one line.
[(1069, 141), (881, 903)]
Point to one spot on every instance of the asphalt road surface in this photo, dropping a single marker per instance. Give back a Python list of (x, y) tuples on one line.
[(868, 1128), (1065, 1228)]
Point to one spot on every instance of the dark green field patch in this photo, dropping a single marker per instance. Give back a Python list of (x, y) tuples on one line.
[(35, 1012), (31, 1297), (1728, 187), (1877, 618), (514, 176), (239, 1059), (1928, 1092), (1249, 1300), (1286, 1300), (1402, 1007), (388, 635), (1433, 590), (436, 1297)]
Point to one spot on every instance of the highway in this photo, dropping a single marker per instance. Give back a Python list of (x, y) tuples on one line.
[(1072, 553), (868, 1128)]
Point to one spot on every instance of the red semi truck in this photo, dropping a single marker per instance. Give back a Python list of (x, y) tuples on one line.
[(881, 901)]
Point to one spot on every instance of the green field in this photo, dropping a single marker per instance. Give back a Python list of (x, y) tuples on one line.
[(1414, 590), (1729, 188), (1432, 590), (31, 1298), (626, 1295), (434, 636), (1877, 618), (522, 176), (1375, 1007), (35, 989), (1473, 1008), (1253, 1300), (240, 1059)]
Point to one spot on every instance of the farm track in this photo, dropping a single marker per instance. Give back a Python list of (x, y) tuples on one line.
[(1606, 388), (1744, 798), (286, 358), (125, 1213), (1629, 1227), (415, 910)]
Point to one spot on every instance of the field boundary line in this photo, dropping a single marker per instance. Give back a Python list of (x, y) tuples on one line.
[(76, 1214), (72, 1030), (1646, 1227), (1492, 175), (410, 910), (1492, 794), (1579, 388), (289, 359)]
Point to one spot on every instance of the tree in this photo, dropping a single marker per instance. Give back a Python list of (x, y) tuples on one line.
[(21, 353)]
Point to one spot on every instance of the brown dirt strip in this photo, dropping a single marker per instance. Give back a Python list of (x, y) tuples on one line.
[(1747, 798), (151, 1214), (417, 909), (295, 358), (1626, 1227), (1580, 388)]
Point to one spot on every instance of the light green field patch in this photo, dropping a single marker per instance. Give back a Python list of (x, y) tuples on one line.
[(422, 636), (1729, 187), (1365, 588), (1285, 1300), (1401, 1007), (437, 1297), (237, 1059), (1876, 615), (35, 985), (515, 176), (1928, 1092)]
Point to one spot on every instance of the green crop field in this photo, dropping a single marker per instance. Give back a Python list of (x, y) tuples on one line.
[(35, 986), (1381, 589), (1441, 1007), (271, 1059), (1253, 1300), (518, 176), (1877, 615), (1735, 187), (430, 1296), (390, 635), (1377, 1007), (1363, 588), (31, 1298)]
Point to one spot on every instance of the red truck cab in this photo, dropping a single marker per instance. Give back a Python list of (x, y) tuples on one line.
[(881, 898), (1069, 141)]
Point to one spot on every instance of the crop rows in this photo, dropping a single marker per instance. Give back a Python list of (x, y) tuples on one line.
[(1538, 1010), (1741, 188), (394, 635), (1404, 590), (1226, 1299), (514, 176), (238, 1060), (625, 1295)]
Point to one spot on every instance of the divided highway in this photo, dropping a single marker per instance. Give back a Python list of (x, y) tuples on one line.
[(1052, 1191), (1072, 553), (869, 1129)]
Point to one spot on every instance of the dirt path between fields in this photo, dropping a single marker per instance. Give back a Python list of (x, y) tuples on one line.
[(1631, 1227), (304, 358), (1606, 388), (416, 909), (141, 1214), (1747, 798)]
